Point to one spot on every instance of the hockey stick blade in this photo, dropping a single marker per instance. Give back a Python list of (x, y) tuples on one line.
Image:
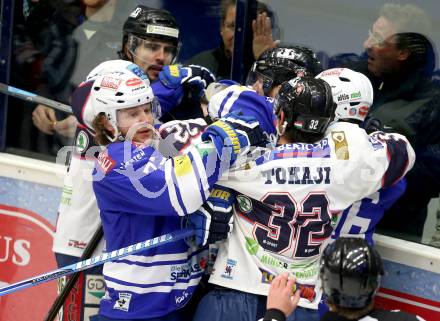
[(98, 260), (34, 98)]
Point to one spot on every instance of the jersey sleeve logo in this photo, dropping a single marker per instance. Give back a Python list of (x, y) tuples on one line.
[(105, 162), (341, 145)]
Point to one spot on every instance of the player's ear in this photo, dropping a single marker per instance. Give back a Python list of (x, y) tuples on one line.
[(403, 54)]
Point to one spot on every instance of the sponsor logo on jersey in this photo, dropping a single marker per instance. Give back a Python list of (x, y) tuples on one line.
[(266, 277), (77, 244), (318, 150), (66, 196), (184, 271), (136, 157), (105, 162), (181, 298), (123, 303), (244, 203), (134, 82), (341, 145), (110, 82), (95, 288), (252, 246), (82, 142), (229, 269)]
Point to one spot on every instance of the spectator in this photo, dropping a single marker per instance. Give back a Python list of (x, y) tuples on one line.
[(95, 39), (350, 271), (400, 62), (219, 60)]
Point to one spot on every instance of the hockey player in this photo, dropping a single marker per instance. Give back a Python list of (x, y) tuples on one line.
[(351, 272), (353, 93), (78, 215), (151, 40), (141, 194), (285, 201)]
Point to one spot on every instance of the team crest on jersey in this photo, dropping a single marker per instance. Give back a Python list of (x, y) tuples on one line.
[(82, 142), (228, 272), (124, 302), (244, 203)]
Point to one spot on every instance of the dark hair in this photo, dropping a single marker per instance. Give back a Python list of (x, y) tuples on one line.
[(422, 54), (101, 133)]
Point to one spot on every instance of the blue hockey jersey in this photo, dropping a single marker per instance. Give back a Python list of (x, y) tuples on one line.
[(361, 218), (141, 195)]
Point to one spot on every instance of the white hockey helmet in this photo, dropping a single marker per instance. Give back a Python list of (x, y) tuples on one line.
[(352, 92), (115, 91), (116, 67)]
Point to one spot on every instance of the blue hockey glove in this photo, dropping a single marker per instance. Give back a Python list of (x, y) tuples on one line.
[(233, 134), (372, 125), (193, 77), (214, 220)]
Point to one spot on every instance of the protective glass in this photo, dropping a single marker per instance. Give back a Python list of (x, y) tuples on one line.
[(147, 50), (259, 82), (375, 39)]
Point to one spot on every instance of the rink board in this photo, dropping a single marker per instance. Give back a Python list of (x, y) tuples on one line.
[(30, 191)]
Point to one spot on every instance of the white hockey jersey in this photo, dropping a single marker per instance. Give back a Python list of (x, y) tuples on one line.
[(286, 200), (78, 214)]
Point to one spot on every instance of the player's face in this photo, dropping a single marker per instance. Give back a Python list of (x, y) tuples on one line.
[(136, 123), (383, 54), (151, 55), (227, 30)]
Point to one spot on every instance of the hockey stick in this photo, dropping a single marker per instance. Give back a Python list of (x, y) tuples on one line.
[(88, 251), (97, 260), (34, 98)]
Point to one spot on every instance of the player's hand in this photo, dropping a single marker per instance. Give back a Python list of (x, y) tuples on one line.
[(372, 125), (66, 127), (282, 295), (44, 119), (193, 77), (233, 135), (213, 222), (262, 35)]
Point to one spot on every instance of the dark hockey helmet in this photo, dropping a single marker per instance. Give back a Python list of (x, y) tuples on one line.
[(149, 23), (350, 271), (277, 65), (307, 104)]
